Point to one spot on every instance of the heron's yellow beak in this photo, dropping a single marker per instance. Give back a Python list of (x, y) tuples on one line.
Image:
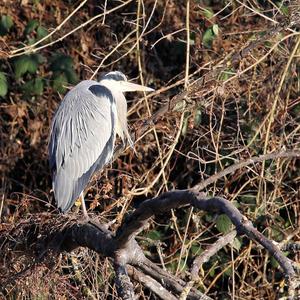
[(133, 87)]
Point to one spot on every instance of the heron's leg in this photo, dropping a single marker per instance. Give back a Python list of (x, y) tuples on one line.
[(83, 206)]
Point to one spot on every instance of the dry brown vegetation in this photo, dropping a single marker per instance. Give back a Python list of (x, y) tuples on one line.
[(214, 105)]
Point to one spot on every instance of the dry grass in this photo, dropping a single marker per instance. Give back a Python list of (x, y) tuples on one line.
[(251, 109)]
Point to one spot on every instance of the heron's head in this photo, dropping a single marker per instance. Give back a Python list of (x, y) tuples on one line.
[(117, 81)]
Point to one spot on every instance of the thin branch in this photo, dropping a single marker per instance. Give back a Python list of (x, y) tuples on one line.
[(150, 283), (231, 60), (31, 47), (204, 257), (231, 169), (187, 59), (33, 50), (169, 281), (211, 251)]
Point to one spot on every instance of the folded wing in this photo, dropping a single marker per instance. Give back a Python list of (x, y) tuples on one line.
[(82, 139)]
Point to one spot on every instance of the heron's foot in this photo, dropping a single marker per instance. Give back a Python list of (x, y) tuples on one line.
[(85, 216), (84, 210)]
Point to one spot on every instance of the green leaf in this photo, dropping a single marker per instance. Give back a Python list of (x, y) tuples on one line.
[(208, 37), (248, 199), (277, 234), (185, 124), (274, 262), (226, 74), (283, 8), (5, 24), (173, 266), (196, 249), (212, 272), (61, 62), (154, 235), (38, 86), (26, 63), (21, 66), (31, 40), (31, 26), (32, 65), (228, 271), (207, 13), (62, 65), (198, 116), (34, 86), (71, 76), (39, 58), (182, 265), (41, 32), (59, 81), (296, 109), (223, 223), (215, 29), (209, 217), (3, 85), (236, 244)]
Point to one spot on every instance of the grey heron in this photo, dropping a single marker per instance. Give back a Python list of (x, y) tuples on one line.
[(83, 134)]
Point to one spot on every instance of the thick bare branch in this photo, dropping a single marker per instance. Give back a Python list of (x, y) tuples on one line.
[(174, 199), (124, 285), (244, 226), (124, 250), (91, 235)]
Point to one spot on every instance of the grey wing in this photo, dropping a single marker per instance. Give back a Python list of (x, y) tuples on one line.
[(82, 140)]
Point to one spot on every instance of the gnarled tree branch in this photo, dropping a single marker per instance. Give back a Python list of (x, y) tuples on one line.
[(124, 250)]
